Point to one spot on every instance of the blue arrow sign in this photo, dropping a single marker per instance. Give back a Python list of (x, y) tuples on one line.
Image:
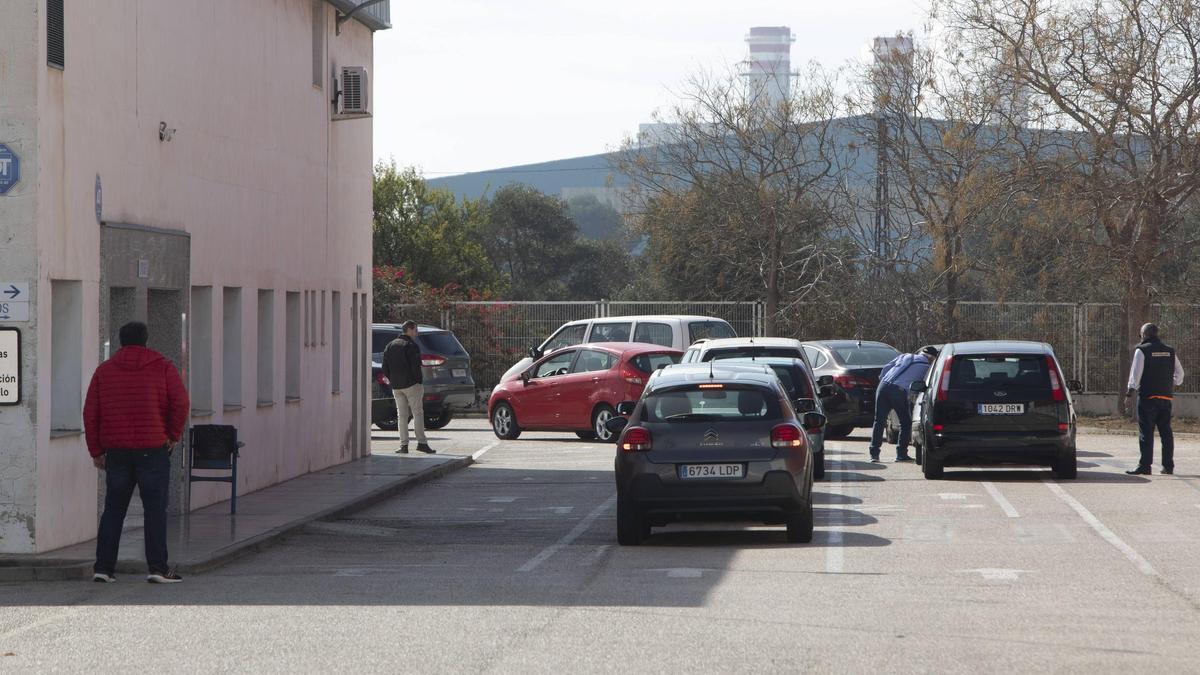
[(10, 169), (12, 292)]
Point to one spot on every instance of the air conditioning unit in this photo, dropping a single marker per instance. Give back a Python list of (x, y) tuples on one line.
[(352, 92)]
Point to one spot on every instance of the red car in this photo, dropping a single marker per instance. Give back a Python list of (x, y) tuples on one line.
[(575, 389)]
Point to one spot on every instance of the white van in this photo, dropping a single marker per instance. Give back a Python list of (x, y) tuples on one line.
[(669, 330)]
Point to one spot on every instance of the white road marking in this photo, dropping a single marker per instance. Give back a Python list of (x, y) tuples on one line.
[(682, 572), (1005, 505), (882, 508), (997, 574), (558, 510), (1101, 529), (595, 556), (502, 500), (835, 554), (569, 537), (954, 496), (480, 452)]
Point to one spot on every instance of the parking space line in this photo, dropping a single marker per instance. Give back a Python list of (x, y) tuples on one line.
[(1108, 535), (835, 556), (569, 537), (1000, 499), (480, 452)]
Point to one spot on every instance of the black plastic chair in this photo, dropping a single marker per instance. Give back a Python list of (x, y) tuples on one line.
[(215, 446)]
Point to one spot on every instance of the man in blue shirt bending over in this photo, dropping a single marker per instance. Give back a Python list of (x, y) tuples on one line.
[(894, 380)]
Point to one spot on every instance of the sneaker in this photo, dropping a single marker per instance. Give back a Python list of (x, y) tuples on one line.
[(164, 578), (1140, 471), (875, 458), (1167, 472), (101, 578), (424, 447), (904, 458), (403, 450)]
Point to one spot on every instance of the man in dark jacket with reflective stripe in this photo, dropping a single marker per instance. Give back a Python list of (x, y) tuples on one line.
[(135, 412), (1155, 373)]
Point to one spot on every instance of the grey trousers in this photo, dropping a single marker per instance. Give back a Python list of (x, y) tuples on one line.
[(410, 402)]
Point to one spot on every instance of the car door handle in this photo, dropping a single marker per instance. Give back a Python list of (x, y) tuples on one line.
[(595, 379)]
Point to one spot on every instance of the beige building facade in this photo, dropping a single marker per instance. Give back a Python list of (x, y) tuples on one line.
[(204, 167)]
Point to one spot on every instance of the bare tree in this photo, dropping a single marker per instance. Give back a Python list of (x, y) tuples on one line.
[(742, 181), (1113, 87)]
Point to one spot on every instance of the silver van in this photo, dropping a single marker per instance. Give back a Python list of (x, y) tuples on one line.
[(669, 330)]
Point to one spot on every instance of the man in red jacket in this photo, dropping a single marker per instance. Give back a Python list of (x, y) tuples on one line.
[(135, 412)]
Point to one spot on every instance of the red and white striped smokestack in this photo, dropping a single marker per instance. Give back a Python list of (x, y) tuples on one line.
[(769, 66)]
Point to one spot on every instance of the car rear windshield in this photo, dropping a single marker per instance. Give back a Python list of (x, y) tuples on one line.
[(751, 352), (648, 363), (730, 403), (709, 330), (865, 357), (1018, 371), (381, 338), (441, 343), (794, 382)]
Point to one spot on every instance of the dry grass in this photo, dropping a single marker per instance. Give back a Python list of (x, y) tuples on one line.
[(1189, 425)]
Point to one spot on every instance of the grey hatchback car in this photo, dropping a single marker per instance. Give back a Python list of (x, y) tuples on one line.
[(713, 442), (445, 364)]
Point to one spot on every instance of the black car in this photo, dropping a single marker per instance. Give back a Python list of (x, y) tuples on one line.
[(708, 442), (998, 402), (855, 366), (446, 366)]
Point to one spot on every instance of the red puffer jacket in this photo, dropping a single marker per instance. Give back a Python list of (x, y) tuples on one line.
[(136, 401)]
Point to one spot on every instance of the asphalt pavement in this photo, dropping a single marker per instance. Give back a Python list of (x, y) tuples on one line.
[(511, 565)]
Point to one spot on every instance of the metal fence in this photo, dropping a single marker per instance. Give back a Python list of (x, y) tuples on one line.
[(1088, 338)]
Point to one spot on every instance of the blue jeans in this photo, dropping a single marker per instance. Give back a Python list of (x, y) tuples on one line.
[(150, 472), (891, 397)]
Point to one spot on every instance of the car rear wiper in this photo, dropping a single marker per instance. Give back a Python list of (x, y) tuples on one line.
[(692, 416)]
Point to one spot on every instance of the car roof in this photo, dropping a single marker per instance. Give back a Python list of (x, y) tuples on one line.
[(421, 328), (834, 344), (748, 342), (695, 372), (999, 346), (649, 317), (628, 347), (766, 360)]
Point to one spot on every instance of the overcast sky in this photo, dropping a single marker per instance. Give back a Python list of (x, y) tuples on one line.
[(467, 85)]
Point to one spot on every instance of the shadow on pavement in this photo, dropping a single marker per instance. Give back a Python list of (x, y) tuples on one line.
[(851, 476), (851, 464), (1027, 476), (1089, 453), (833, 497)]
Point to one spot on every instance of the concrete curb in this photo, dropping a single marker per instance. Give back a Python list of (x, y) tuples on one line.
[(64, 570), (1101, 431)]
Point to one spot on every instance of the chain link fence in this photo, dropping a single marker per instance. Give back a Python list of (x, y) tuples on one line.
[(1088, 338)]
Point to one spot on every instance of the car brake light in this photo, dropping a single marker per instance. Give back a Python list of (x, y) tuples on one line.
[(635, 439), (382, 379), (431, 360), (1064, 428), (939, 427), (852, 381), (632, 375), (1056, 390), (787, 436), (944, 384)]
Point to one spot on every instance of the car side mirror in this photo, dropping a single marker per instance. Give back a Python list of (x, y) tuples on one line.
[(825, 380), (1075, 386), (918, 387), (625, 408), (535, 353), (826, 391), (615, 426), (804, 405), (813, 421), (525, 378)]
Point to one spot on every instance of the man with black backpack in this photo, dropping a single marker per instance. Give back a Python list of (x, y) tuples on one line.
[(1155, 373), (402, 367)]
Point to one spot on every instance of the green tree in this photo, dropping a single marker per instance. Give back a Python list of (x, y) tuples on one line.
[(531, 240), (596, 219), (428, 233)]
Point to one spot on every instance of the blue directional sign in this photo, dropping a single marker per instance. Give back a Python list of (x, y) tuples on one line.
[(10, 168)]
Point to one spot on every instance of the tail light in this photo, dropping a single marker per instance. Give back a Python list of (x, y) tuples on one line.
[(787, 436), (852, 381), (632, 375), (1063, 428), (944, 382), (431, 360), (635, 439), (1056, 389), (939, 427), (382, 379)]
